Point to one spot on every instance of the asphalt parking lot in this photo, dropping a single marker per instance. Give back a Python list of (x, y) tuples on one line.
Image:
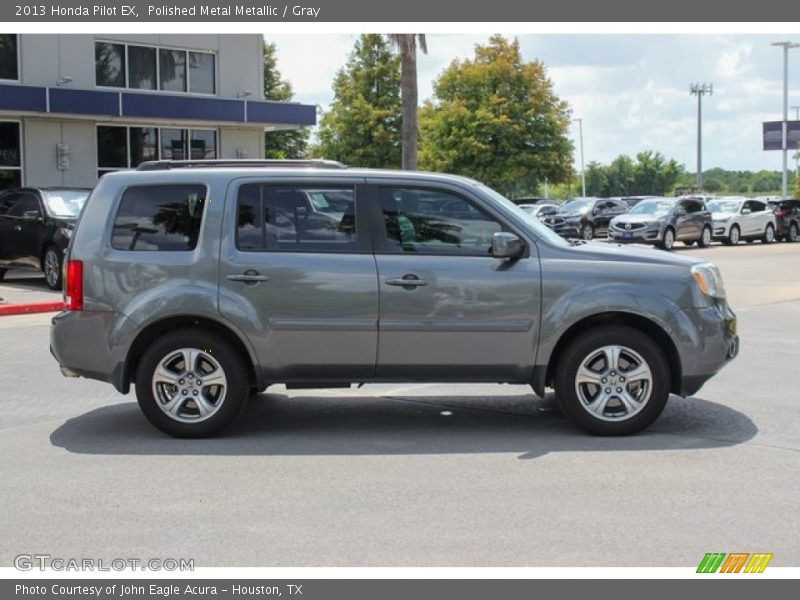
[(416, 475)]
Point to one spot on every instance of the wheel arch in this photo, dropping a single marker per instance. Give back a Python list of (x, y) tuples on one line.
[(168, 324), (647, 326)]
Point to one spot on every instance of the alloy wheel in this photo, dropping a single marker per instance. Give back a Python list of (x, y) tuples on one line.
[(52, 267), (614, 383), (189, 385)]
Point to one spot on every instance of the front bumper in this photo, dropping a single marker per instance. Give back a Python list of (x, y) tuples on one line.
[(714, 343), (641, 236), (720, 229), (567, 230)]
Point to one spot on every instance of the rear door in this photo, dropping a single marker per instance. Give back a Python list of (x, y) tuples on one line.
[(298, 277), (448, 310)]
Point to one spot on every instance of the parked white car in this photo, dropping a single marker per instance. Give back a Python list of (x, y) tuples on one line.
[(738, 219)]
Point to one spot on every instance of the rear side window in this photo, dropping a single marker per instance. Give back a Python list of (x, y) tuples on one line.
[(296, 218), (159, 217)]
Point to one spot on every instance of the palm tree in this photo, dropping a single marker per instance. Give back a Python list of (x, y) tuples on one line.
[(406, 44)]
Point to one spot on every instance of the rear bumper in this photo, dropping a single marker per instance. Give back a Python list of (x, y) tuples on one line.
[(82, 342)]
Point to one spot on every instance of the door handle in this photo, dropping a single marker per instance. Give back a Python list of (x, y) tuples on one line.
[(409, 280), (249, 277)]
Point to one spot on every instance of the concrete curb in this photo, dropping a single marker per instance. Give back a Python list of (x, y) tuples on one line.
[(30, 308)]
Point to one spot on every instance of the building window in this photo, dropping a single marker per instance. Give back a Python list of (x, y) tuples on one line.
[(121, 147), (141, 67), (152, 68), (10, 155), (109, 64), (9, 63)]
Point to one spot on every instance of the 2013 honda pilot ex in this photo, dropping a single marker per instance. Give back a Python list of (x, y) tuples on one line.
[(203, 283)]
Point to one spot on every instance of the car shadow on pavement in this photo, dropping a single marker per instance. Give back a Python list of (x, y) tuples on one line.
[(278, 425)]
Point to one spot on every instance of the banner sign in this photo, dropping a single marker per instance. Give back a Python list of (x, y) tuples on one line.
[(773, 135)]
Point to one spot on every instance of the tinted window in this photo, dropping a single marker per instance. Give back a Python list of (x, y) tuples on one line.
[(142, 67), (692, 206), (172, 70), (756, 206), (289, 218), (27, 203), (164, 217), (112, 147), (7, 202), (109, 64), (8, 56), (428, 222)]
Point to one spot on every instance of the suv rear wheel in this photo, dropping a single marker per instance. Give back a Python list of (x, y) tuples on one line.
[(612, 380), (191, 383), (791, 236)]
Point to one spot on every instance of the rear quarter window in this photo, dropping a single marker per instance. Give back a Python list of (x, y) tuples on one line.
[(159, 218)]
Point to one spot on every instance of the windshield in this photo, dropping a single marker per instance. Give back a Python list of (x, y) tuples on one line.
[(724, 206), (574, 206), (538, 229), (65, 203), (656, 208)]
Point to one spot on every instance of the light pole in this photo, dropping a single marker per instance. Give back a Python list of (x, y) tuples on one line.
[(784, 145), (797, 150), (700, 90), (583, 170)]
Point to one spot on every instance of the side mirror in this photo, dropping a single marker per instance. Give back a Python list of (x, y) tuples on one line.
[(746, 211), (507, 245), (680, 211), (31, 216)]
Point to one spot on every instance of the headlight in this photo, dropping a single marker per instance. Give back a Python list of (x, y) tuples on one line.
[(709, 279), (722, 220)]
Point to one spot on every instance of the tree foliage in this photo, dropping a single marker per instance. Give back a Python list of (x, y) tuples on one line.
[(496, 118), (362, 126), (650, 173), (289, 143)]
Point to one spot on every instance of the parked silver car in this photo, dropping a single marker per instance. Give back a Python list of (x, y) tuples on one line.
[(201, 283)]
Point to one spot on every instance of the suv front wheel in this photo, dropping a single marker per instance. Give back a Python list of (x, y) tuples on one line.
[(612, 380), (191, 383)]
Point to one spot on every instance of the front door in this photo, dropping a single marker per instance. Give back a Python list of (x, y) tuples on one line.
[(448, 310), (298, 277)]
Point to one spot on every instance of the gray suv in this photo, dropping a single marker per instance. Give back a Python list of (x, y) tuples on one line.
[(202, 283)]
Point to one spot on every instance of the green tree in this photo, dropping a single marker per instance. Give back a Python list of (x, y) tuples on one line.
[(621, 174), (596, 179), (289, 143), (362, 126), (496, 118), (406, 45)]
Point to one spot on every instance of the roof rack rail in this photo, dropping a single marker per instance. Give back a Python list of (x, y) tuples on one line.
[(165, 165)]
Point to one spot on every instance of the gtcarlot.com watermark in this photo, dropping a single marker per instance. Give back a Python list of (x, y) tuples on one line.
[(44, 562)]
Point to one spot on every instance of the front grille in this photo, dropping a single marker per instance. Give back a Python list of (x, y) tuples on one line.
[(629, 226)]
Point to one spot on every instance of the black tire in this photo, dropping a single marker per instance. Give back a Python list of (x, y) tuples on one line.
[(52, 267), (688, 243), (587, 232), (230, 360), (769, 234), (790, 237), (569, 360), (705, 238), (668, 241), (2, 274), (733, 238)]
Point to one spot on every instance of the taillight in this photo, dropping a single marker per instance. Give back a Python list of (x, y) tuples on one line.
[(781, 212), (73, 285)]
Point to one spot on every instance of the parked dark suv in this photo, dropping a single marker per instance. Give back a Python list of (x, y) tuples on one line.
[(787, 218), (662, 221), (585, 218), (203, 283), (35, 227)]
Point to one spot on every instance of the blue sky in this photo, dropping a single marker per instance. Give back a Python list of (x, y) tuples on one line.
[(632, 91)]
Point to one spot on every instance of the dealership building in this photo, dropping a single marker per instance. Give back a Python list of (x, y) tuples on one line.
[(73, 107)]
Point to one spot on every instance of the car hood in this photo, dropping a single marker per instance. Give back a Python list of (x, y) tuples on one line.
[(604, 251), (636, 219), (722, 215)]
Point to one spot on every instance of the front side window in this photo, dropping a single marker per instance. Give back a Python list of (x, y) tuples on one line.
[(109, 64), (8, 56), (28, 203), (10, 156), (289, 218), (164, 217), (435, 222)]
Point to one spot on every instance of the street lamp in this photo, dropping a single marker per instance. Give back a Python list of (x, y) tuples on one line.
[(786, 47), (700, 90), (583, 170)]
